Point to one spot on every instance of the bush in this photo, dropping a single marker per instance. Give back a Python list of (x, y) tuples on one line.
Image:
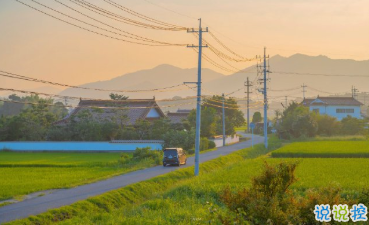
[(124, 158), (211, 144), (190, 151), (204, 144), (147, 153), (269, 200)]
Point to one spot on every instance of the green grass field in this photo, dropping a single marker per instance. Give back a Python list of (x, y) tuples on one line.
[(188, 202), (324, 149), (24, 173)]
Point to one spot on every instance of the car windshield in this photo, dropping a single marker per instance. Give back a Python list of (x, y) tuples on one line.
[(170, 152)]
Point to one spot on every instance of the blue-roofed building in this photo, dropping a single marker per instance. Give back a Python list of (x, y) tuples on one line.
[(338, 107)]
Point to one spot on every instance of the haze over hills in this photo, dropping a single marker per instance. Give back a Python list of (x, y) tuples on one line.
[(158, 77), (167, 75)]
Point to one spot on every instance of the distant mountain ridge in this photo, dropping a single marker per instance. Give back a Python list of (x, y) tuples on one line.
[(167, 75)]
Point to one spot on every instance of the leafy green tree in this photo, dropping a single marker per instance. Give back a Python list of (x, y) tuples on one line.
[(353, 126), (328, 125), (297, 121), (182, 139), (233, 116), (256, 118), (159, 128), (118, 97), (209, 121)]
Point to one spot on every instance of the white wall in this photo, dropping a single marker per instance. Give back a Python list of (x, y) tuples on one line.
[(229, 140)]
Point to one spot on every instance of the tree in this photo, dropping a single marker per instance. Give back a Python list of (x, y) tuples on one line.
[(233, 116), (256, 118), (328, 125), (297, 121), (117, 97), (209, 121), (352, 126)]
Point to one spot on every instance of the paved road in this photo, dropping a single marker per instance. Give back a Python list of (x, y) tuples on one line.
[(64, 197)]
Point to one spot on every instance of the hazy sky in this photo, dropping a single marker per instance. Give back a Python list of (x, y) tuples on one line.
[(35, 45)]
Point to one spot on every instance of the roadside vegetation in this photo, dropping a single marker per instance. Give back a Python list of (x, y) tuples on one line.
[(180, 198)]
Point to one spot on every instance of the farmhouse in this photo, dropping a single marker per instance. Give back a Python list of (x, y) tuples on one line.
[(338, 107), (179, 116), (124, 112)]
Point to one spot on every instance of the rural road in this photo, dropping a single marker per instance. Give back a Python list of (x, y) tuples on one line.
[(64, 197)]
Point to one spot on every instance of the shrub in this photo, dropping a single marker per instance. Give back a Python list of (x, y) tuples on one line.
[(190, 151), (269, 200), (204, 144), (124, 158), (147, 153), (211, 144)]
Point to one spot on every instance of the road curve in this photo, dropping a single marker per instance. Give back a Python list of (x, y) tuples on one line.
[(65, 197)]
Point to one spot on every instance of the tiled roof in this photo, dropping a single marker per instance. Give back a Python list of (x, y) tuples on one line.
[(179, 116), (349, 101), (132, 110), (307, 101)]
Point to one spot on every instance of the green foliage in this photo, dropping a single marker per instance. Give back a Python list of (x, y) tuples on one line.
[(147, 153), (212, 114), (256, 118), (209, 121), (211, 144), (204, 143), (118, 97), (353, 126), (179, 139), (324, 149), (328, 125), (267, 200), (297, 121)]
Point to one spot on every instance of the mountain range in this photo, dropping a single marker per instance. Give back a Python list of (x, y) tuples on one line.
[(287, 73)]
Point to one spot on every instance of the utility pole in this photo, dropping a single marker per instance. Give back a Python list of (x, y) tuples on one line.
[(286, 101), (264, 91), (354, 91), (224, 136), (198, 107), (303, 90), (248, 85)]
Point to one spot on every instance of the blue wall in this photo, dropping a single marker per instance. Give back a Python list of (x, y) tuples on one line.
[(78, 146)]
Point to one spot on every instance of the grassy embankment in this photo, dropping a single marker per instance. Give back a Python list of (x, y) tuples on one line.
[(24, 173)]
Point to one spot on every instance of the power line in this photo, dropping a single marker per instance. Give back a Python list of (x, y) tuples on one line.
[(321, 74), (108, 14), (89, 30), (137, 37), (139, 15), (21, 77)]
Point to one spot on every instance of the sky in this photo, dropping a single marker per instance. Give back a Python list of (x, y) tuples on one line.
[(35, 45)]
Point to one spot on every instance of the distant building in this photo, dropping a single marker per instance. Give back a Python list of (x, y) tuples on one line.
[(179, 116), (338, 107), (126, 112)]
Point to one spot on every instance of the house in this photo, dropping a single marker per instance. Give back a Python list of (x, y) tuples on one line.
[(179, 116), (126, 112), (338, 107)]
